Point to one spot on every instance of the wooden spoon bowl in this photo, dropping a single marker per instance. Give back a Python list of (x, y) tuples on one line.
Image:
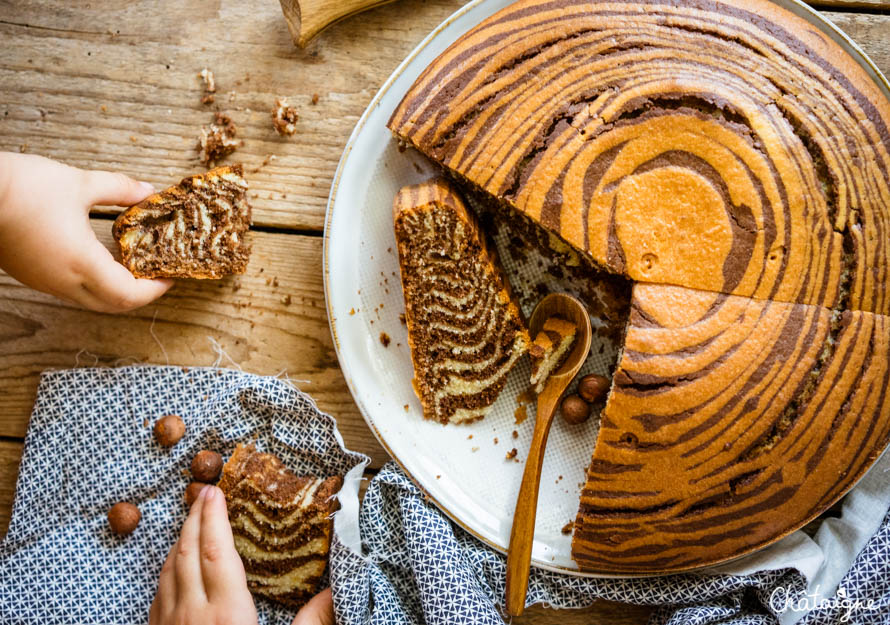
[(523, 531)]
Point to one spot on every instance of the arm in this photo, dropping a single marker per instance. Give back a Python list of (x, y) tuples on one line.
[(45, 237)]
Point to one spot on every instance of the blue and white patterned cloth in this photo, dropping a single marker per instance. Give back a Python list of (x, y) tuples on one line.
[(418, 567), (90, 444)]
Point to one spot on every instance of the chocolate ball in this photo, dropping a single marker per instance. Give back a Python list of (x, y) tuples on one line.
[(192, 491), (123, 518), (169, 429), (593, 388), (206, 466), (575, 410)]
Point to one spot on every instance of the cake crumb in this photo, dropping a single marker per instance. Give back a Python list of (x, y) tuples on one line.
[(568, 527), (474, 449), (515, 434), (284, 117), (438, 477), (520, 414), (470, 437), (495, 440), (209, 86), (511, 454), (286, 300), (403, 319), (406, 407), (352, 311), (314, 98), (218, 139), (269, 158), (384, 339)]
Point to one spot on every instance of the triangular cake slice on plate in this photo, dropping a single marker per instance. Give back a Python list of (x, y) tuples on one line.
[(196, 229), (281, 524), (464, 327)]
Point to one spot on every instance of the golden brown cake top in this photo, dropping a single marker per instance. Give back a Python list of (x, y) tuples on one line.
[(731, 422), (726, 146)]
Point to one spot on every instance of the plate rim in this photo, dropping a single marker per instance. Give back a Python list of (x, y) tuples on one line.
[(797, 7)]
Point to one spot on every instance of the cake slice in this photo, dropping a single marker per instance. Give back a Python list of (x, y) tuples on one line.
[(464, 327), (281, 523), (196, 229), (549, 350)]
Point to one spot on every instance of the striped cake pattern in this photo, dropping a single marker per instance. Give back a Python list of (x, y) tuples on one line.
[(734, 163), (281, 524), (196, 229), (464, 327)]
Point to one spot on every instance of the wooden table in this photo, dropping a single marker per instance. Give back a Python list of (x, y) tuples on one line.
[(112, 84)]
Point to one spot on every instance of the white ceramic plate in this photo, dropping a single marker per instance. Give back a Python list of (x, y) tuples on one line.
[(461, 468)]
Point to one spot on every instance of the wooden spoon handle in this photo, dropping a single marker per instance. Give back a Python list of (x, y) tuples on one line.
[(523, 533), (307, 18)]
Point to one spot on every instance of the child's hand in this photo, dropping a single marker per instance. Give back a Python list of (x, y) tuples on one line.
[(45, 237), (202, 580)]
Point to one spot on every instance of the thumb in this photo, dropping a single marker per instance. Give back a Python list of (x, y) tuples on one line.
[(112, 188), (319, 610), (114, 287)]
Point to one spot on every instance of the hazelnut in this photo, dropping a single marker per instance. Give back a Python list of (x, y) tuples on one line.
[(206, 466), (192, 491), (123, 518), (593, 388), (575, 410), (169, 429)]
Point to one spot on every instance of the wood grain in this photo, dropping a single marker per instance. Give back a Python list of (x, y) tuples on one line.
[(247, 316), (10, 458), (114, 85)]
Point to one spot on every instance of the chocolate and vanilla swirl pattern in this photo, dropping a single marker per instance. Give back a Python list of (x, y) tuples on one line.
[(281, 524), (464, 327), (196, 229), (722, 146), (731, 422), (734, 163)]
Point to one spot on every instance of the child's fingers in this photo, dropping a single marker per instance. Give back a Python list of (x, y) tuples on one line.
[(319, 610), (220, 564), (114, 286), (187, 566), (165, 600), (105, 187)]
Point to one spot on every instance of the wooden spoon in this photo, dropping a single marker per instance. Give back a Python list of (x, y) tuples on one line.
[(307, 18), (522, 535)]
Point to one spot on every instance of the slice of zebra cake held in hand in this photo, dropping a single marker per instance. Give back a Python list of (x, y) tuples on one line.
[(196, 229)]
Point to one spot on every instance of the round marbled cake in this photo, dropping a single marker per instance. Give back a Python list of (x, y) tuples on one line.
[(734, 163)]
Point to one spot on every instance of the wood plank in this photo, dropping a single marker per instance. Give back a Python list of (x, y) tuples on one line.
[(10, 458), (866, 5), (247, 316), (64, 61)]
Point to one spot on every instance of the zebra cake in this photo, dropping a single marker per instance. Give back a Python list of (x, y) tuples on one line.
[(733, 163), (196, 229), (281, 524), (464, 327)]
